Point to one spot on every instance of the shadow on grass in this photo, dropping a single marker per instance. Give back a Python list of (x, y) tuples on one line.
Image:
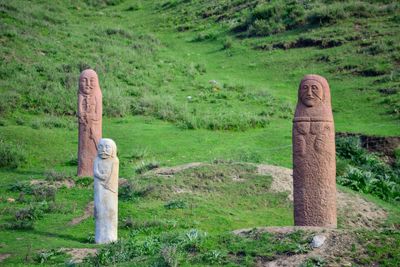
[(60, 235)]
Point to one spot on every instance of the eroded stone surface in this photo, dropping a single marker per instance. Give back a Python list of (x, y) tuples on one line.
[(106, 168), (90, 120), (318, 241), (314, 163)]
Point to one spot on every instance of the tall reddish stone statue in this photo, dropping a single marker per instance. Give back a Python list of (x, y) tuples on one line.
[(314, 163), (90, 116)]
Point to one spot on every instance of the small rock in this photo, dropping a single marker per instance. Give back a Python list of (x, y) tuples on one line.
[(318, 241), (10, 200)]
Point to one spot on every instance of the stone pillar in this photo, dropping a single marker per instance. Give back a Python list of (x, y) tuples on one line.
[(314, 159), (106, 167), (89, 116)]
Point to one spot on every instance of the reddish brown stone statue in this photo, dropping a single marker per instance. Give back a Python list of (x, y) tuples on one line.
[(90, 116), (314, 163)]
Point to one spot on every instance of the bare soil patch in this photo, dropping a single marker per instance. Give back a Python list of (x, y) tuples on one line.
[(4, 256), (334, 251), (78, 254), (68, 183), (88, 212)]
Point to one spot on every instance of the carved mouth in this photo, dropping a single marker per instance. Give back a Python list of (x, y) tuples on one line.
[(104, 154)]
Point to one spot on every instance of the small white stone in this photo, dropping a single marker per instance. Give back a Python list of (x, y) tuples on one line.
[(318, 241)]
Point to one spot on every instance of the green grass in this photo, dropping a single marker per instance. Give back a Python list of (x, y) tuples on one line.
[(177, 88)]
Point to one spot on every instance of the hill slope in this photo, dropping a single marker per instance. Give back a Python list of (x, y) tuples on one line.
[(187, 81)]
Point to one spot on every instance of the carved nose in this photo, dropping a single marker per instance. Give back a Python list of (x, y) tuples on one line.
[(309, 92)]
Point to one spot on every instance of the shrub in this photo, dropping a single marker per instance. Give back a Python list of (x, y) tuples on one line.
[(42, 192), (131, 190), (20, 186), (84, 181), (115, 104), (53, 175), (50, 256), (9, 101), (164, 108), (139, 153), (192, 240), (274, 17), (175, 204), (228, 43), (326, 14), (24, 218), (145, 166), (170, 255), (11, 155), (366, 172)]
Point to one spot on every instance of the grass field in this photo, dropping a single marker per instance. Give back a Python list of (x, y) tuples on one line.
[(183, 81)]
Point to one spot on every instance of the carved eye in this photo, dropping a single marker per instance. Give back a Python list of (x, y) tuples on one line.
[(100, 146), (314, 87), (305, 87)]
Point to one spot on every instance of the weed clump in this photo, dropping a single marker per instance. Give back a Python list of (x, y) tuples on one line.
[(11, 155), (366, 172), (145, 166), (132, 190), (176, 204)]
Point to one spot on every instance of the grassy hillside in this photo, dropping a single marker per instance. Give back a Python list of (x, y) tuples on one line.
[(188, 81)]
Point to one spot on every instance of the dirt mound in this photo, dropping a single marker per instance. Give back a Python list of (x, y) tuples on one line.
[(332, 250), (353, 210)]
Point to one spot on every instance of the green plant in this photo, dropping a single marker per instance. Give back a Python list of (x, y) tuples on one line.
[(131, 190), (170, 255), (176, 204), (43, 192), (50, 256), (84, 181), (53, 175), (11, 155), (145, 166)]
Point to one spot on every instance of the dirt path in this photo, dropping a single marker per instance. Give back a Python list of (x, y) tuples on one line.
[(89, 210)]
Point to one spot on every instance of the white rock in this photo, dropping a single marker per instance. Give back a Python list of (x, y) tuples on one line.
[(318, 241)]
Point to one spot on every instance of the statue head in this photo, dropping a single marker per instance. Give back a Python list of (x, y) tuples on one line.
[(311, 92), (88, 81), (314, 98), (106, 149)]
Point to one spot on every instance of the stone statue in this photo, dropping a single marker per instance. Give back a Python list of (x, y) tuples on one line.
[(314, 163), (106, 166), (89, 117)]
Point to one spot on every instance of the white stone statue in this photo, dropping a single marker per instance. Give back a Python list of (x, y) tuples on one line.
[(105, 170)]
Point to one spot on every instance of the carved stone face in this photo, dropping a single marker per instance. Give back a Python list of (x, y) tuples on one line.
[(311, 93), (87, 83), (105, 149)]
